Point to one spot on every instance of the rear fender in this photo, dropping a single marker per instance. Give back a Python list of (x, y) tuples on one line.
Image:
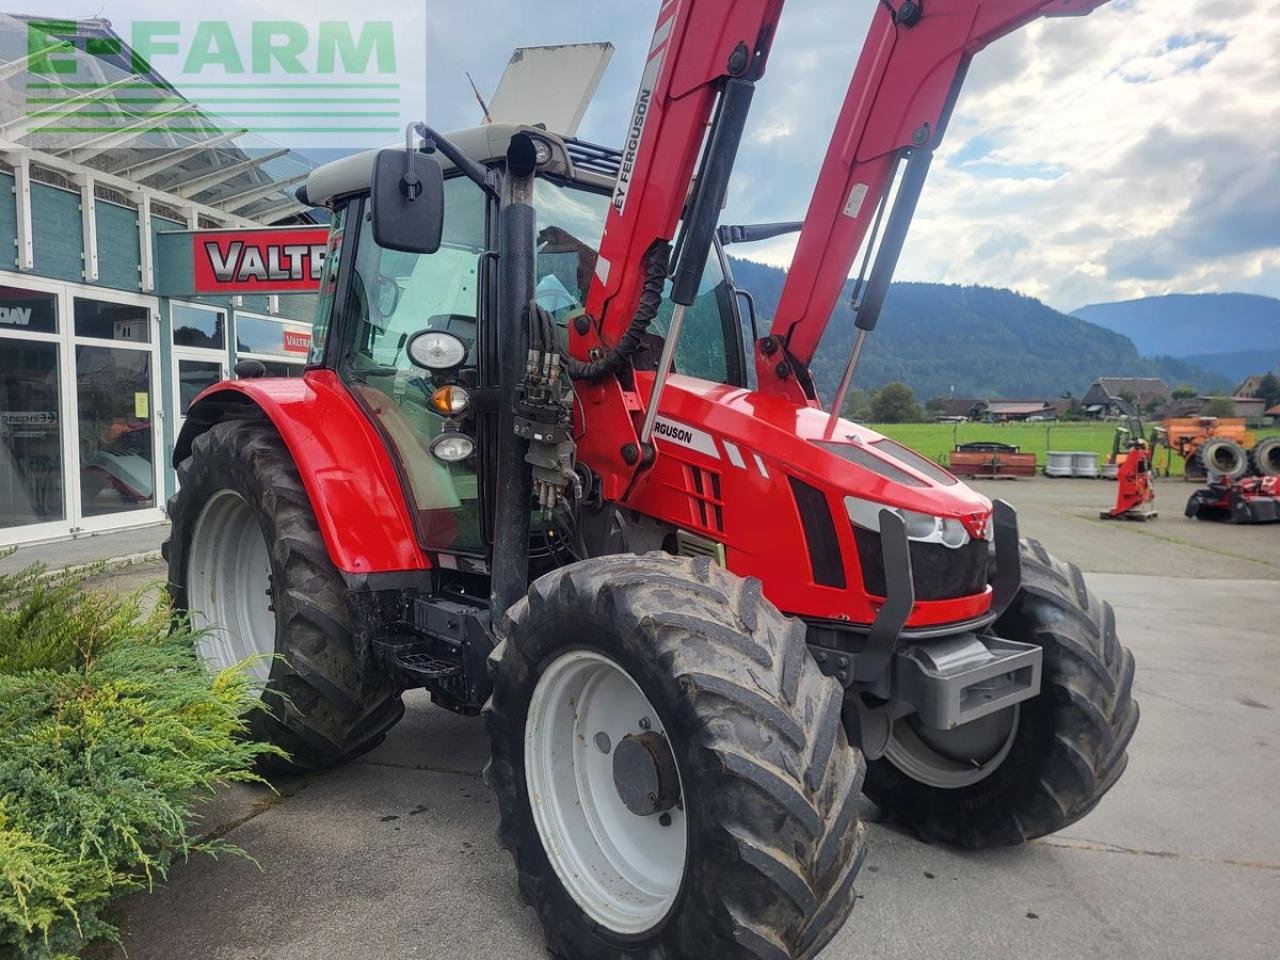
[(348, 474)]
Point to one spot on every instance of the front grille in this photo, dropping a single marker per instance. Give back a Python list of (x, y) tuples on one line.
[(938, 572)]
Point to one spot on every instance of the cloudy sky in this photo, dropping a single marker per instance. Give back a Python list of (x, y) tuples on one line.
[(1129, 153)]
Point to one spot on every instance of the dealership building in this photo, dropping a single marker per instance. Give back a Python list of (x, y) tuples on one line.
[(112, 186)]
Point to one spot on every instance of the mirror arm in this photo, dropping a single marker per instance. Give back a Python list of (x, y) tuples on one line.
[(477, 173)]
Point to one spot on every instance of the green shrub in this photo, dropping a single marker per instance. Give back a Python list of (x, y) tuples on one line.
[(111, 731)]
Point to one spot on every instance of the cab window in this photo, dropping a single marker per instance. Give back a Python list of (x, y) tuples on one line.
[(570, 223), (393, 296)]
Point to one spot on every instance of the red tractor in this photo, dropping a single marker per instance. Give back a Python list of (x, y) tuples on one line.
[(543, 464)]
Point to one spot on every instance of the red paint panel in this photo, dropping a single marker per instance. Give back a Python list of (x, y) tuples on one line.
[(348, 474), (285, 260)]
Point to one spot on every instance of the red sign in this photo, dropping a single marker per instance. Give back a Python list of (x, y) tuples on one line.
[(270, 260), (297, 341)]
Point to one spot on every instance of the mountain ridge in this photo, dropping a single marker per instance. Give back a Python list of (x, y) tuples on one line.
[(979, 341)]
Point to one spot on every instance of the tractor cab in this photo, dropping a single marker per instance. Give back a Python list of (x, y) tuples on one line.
[(380, 304)]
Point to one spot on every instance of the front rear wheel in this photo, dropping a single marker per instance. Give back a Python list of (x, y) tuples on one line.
[(1038, 766), (248, 563), (672, 775)]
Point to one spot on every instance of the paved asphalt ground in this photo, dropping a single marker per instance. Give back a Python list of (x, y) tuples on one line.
[(395, 857)]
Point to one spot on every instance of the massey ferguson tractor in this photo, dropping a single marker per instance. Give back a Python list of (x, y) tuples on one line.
[(544, 464)]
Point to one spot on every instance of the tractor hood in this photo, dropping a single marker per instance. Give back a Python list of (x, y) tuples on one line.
[(779, 487), (803, 442)]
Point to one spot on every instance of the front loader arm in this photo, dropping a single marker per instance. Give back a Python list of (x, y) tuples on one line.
[(697, 46), (900, 98)]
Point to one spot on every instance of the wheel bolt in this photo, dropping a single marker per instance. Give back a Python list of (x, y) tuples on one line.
[(665, 819), (644, 723)]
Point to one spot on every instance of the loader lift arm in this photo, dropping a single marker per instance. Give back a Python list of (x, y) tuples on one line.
[(899, 101), (900, 97)]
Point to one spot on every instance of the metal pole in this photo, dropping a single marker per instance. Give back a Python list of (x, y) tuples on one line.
[(846, 380), (514, 500), (664, 370)]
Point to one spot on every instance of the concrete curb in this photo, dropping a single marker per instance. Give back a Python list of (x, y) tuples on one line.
[(109, 565)]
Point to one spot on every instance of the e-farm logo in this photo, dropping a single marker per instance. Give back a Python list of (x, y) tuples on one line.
[(283, 79)]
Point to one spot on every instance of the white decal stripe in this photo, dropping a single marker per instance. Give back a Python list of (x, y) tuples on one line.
[(760, 466), (672, 431), (660, 35), (735, 455)]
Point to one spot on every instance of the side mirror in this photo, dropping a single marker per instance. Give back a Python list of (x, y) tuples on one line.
[(408, 201)]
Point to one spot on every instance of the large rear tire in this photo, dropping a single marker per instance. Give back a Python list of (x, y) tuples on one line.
[(1066, 747), (248, 563), (768, 786)]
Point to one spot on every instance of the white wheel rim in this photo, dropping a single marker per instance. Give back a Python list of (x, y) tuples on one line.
[(229, 587), (622, 869)]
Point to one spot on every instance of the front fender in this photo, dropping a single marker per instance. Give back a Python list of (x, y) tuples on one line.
[(348, 474)]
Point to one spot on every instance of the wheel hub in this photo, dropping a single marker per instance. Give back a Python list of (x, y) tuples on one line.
[(644, 773)]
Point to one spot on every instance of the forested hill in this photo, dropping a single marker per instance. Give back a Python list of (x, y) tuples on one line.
[(982, 341)]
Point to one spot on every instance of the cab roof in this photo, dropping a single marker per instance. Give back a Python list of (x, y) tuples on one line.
[(570, 158)]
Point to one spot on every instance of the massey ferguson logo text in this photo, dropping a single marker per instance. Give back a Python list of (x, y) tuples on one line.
[(259, 261), (630, 149), (673, 432)]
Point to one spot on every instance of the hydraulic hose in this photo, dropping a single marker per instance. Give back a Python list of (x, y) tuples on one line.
[(656, 261)]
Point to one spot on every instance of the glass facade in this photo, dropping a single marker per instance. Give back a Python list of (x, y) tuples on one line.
[(30, 434), (93, 391), (114, 419)]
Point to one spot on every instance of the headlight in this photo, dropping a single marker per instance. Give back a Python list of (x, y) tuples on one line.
[(452, 447), (436, 350), (921, 527)]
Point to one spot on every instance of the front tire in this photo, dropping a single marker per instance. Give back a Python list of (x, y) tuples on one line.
[(768, 786), (1066, 746), (249, 565)]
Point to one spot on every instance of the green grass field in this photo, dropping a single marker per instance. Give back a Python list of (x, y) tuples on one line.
[(936, 440)]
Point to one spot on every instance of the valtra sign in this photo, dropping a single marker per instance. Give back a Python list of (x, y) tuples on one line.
[(271, 260)]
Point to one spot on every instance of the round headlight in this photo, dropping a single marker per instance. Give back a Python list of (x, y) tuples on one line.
[(452, 447), (436, 350), (920, 526), (954, 534)]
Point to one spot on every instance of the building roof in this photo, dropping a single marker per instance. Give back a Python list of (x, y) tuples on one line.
[(1019, 407), (1249, 386), (1273, 411), (1117, 386), (116, 116)]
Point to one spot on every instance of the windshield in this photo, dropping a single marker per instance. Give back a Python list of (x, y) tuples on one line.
[(570, 223)]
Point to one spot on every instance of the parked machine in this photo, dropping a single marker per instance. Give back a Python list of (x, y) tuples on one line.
[(530, 469), (1219, 445), (1134, 491), (1250, 500)]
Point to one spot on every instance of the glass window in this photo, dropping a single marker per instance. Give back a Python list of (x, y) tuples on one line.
[(112, 321), (198, 326), (28, 311), (193, 377), (707, 348), (570, 225), (275, 368), (117, 466), (393, 296), (272, 337), (30, 434), (328, 287)]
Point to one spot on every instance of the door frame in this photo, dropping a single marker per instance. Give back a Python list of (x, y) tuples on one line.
[(146, 515), (74, 523)]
